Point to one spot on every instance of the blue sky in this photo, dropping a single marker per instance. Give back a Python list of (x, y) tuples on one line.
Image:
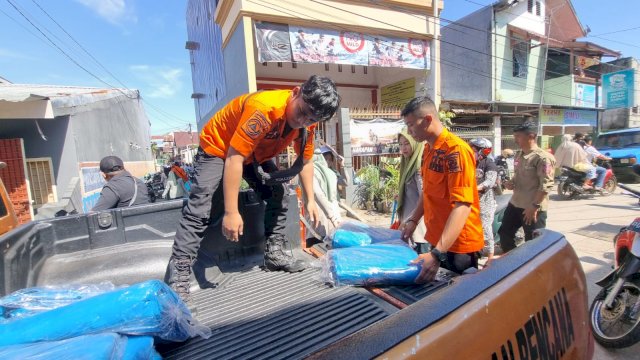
[(141, 42)]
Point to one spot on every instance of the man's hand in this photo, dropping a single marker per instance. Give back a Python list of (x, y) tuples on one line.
[(312, 211), (508, 184), (430, 266), (407, 229), (530, 215), (232, 226)]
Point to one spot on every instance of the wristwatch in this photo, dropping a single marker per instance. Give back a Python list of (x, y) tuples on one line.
[(442, 257)]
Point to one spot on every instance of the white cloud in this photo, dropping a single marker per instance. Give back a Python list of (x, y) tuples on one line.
[(114, 11), (161, 81)]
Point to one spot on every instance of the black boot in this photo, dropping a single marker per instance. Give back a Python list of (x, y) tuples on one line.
[(178, 278), (275, 259)]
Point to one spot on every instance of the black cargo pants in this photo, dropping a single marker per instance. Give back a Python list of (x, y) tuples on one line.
[(512, 221), (206, 203)]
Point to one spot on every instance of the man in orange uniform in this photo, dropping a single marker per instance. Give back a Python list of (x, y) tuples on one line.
[(238, 142), (449, 200)]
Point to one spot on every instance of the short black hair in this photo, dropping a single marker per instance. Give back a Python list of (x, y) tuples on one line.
[(588, 139), (528, 127), (321, 94), (418, 103), (578, 136)]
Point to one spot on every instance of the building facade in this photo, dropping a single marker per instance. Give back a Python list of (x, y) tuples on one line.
[(242, 46), (64, 132), (519, 60)]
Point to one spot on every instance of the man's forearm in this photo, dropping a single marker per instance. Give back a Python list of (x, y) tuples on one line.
[(453, 227), (231, 182), (540, 195), (306, 179)]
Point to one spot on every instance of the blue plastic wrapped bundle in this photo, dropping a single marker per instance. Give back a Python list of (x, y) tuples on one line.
[(148, 308), (105, 346), (379, 264), (29, 301), (140, 348), (355, 233)]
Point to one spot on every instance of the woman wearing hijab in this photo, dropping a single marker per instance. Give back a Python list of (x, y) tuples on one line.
[(411, 186), (325, 187)]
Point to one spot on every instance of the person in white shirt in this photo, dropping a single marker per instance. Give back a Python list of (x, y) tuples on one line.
[(592, 155)]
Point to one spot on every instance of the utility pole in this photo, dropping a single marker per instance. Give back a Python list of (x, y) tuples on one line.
[(544, 74)]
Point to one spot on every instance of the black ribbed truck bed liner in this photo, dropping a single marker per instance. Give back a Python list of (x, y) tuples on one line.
[(274, 315)]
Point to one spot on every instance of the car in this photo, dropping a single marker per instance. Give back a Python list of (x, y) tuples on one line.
[(623, 146)]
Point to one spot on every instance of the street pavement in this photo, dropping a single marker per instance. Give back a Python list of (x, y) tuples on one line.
[(589, 225)]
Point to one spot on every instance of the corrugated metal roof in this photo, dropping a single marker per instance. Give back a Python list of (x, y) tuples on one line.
[(60, 96), (61, 99)]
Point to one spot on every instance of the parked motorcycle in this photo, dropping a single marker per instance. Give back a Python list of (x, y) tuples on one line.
[(155, 187), (571, 181), (615, 311)]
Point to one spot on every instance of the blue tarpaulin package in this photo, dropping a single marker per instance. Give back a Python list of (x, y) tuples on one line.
[(355, 233), (29, 301), (140, 348), (379, 264), (148, 308), (107, 346)]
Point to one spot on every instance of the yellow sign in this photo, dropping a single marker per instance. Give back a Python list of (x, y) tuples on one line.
[(398, 94)]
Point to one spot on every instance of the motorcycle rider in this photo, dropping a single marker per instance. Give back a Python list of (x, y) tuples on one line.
[(592, 155), (486, 176), (570, 154)]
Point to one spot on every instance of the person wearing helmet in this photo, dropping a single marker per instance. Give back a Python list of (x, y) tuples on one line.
[(486, 176)]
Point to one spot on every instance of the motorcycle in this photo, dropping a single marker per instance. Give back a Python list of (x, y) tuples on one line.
[(615, 311), (155, 187), (571, 181)]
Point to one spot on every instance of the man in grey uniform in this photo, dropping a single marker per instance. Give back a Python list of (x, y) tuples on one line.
[(122, 189), (531, 184)]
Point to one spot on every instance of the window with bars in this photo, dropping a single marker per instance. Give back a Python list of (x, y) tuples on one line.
[(530, 6), (520, 58), (538, 8), (41, 181)]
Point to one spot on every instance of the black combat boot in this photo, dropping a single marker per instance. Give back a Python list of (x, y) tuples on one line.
[(178, 278), (275, 259)]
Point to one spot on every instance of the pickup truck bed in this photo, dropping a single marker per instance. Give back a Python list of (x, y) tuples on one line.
[(258, 314)]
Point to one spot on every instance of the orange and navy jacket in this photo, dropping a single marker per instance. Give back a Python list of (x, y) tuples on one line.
[(253, 124)]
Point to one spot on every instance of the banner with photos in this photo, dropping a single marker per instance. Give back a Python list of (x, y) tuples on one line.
[(285, 43), (318, 46), (400, 53), (373, 136)]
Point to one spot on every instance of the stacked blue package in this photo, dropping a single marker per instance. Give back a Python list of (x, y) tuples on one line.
[(140, 348), (355, 233), (379, 264), (29, 301), (148, 308), (105, 346)]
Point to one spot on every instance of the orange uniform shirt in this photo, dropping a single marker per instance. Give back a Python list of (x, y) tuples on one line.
[(253, 124), (449, 176)]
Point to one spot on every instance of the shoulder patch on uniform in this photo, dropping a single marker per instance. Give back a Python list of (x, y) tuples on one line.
[(255, 125), (453, 162)]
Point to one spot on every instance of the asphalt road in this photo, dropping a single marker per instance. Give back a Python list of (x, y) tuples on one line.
[(590, 225)]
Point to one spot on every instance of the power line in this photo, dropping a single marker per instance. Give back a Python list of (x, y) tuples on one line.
[(617, 31), (88, 53)]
